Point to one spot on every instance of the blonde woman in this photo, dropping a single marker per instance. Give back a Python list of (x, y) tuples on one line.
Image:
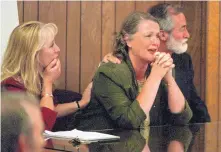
[(31, 63)]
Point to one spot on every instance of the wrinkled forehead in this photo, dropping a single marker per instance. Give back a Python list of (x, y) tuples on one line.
[(148, 26)]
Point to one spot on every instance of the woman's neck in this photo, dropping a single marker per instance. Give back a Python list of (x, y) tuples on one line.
[(140, 66)]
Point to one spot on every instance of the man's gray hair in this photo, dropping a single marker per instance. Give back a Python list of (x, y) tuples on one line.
[(14, 119), (163, 13)]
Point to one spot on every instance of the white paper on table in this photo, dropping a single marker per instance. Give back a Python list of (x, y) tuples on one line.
[(82, 136)]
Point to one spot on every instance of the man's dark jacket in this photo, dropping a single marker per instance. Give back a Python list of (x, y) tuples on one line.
[(184, 75)]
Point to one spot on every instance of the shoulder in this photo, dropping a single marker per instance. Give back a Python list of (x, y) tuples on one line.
[(10, 84), (112, 67), (115, 72)]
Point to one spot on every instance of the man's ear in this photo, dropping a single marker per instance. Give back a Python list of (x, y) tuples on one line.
[(163, 35), (22, 143)]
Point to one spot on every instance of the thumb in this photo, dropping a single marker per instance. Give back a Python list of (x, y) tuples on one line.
[(52, 64)]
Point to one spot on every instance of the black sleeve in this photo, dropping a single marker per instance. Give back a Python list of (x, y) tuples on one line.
[(199, 109)]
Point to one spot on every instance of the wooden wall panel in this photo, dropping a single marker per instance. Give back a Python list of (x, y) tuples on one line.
[(220, 61), (56, 12), (143, 6), (108, 26), (179, 3), (123, 9), (20, 11), (90, 40), (203, 51), (30, 10), (219, 100), (212, 73), (73, 45), (212, 82)]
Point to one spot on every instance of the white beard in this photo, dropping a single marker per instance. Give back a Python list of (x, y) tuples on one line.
[(177, 46)]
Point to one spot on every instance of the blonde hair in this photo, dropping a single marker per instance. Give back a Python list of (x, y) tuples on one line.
[(21, 55)]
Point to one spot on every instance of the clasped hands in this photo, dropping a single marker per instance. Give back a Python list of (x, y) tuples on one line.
[(162, 65)]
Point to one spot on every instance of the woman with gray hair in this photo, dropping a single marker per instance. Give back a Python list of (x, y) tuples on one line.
[(141, 90)]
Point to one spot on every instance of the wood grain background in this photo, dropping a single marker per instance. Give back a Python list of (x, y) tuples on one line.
[(213, 74)]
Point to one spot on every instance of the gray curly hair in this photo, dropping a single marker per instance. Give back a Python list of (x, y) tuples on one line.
[(163, 12)]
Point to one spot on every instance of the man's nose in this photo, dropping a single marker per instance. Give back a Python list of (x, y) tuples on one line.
[(186, 34)]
